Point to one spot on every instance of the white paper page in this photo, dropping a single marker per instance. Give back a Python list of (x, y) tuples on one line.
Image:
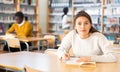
[(72, 61)]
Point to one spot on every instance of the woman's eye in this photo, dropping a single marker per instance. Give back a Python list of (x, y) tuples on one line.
[(79, 23), (86, 23)]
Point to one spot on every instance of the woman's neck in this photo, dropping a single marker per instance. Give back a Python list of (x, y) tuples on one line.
[(84, 36)]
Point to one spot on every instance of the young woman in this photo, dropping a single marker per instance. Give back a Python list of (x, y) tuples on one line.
[(86, 42), (66, 23)]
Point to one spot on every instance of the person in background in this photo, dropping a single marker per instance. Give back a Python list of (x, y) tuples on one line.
[(21, 28), (66, 23), (26, 18), (86, 42)]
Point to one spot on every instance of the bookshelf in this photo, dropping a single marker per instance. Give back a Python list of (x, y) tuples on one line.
[(112, 19), (7, 10), (9, 7)]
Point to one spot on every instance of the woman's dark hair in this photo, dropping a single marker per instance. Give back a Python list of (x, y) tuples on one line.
[(84, 14), (19, 14), (65, 10)]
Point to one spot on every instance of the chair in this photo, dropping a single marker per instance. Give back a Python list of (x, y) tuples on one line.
[(51, 51), (51, 41), (54, 52), (28, 69), (15, 43)]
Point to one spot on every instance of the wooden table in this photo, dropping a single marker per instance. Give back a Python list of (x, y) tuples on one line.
[(31, 39), (50, 63), (28, 39)]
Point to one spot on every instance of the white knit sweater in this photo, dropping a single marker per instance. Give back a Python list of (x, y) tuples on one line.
[(96, 46)]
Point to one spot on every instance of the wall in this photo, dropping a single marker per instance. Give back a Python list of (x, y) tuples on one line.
[(43, 15)]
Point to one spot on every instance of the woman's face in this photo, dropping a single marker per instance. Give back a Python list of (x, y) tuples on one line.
[(83, 26)]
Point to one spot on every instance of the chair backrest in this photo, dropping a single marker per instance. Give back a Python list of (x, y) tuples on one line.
[(61, 36), (51, 40), (28, 69), (13, 42), (54, 51)]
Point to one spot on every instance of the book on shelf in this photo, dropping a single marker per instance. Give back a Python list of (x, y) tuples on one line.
[(73, 61), (1, 28)]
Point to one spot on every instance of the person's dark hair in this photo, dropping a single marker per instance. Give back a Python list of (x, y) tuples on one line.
[(65, 11), (85, 14), (19, 14)]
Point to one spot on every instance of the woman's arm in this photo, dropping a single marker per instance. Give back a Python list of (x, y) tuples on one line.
[(65, 46), (108, 55)]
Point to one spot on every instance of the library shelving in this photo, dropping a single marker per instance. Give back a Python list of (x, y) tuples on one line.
[(7, 10), (112, 18), (9, 7)]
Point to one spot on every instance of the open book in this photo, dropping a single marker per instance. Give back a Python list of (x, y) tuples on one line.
[(72, 61)]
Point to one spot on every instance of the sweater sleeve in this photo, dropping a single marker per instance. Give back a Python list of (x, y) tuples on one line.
[(108, 55), (11, 29), (65, 45)]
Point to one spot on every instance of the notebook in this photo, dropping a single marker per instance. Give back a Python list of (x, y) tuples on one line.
[(72, 61)]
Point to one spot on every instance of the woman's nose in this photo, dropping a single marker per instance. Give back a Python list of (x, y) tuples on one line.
[(83, 26)]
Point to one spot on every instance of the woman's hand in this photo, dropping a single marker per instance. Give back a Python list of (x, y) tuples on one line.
[(65, 56), (84, 59)]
